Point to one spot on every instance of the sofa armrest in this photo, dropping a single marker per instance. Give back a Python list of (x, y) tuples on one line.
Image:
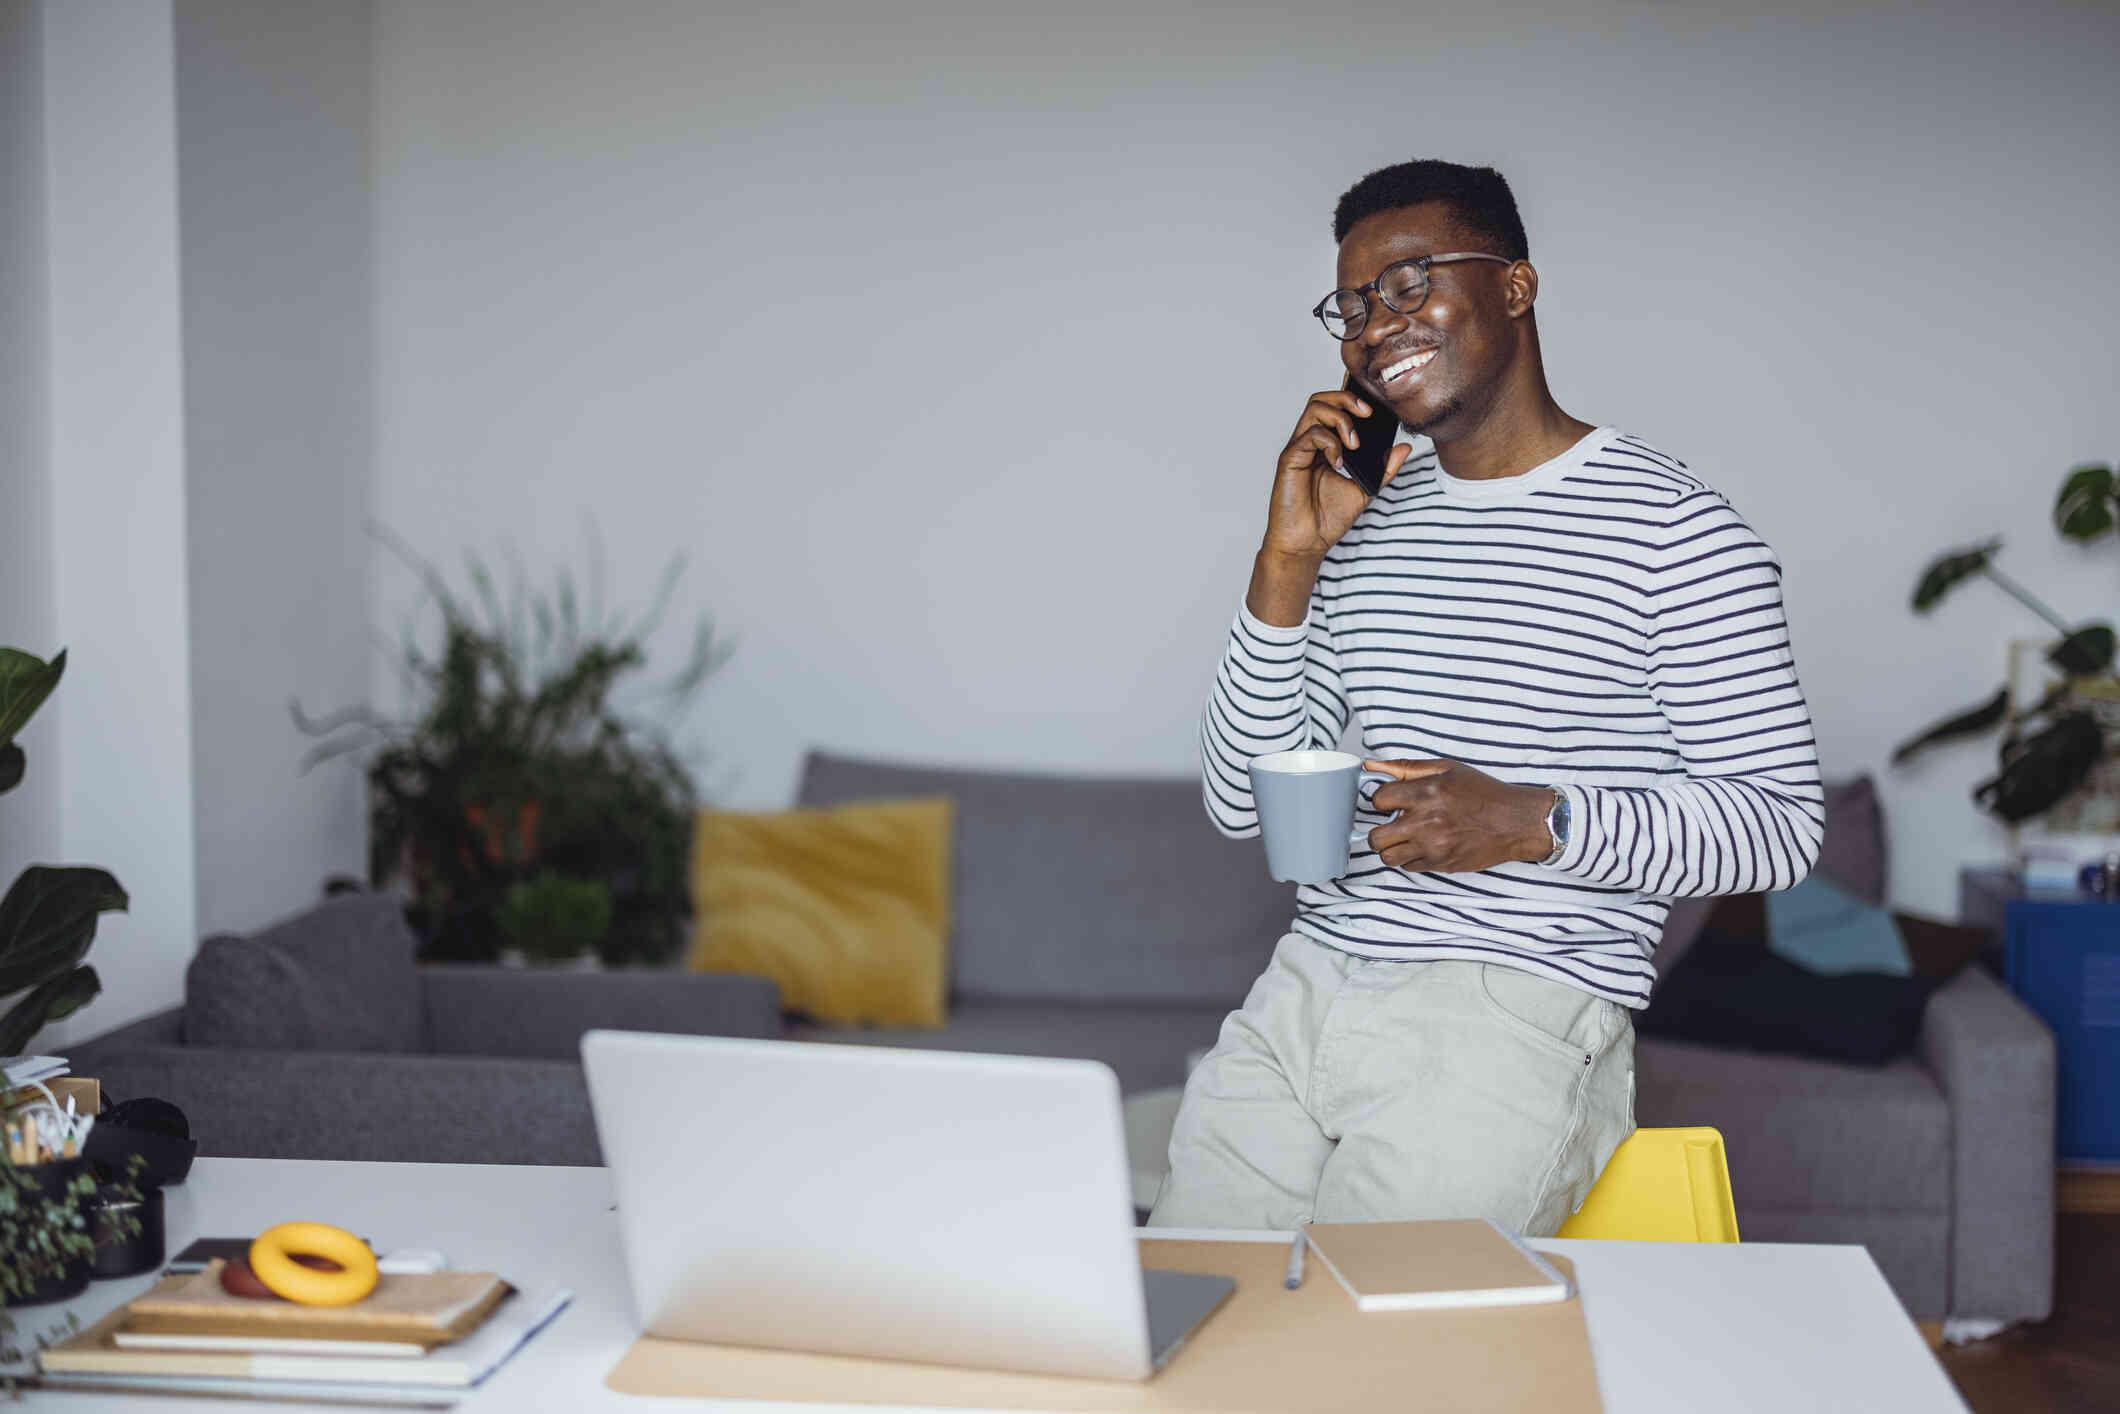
[(1994, 1061), (366, 1105), (534, 1013)]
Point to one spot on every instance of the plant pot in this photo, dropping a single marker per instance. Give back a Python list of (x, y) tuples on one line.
[(70, 1278), (580, 962), (122, 1254)]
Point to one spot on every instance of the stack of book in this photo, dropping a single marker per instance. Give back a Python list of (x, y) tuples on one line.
[(423, 1340), (25, 1070)]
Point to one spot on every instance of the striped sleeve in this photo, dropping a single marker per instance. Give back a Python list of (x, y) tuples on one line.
[(1749, 812), (1277, 689)]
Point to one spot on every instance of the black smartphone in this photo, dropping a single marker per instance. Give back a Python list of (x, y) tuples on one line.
[(1376, 433)]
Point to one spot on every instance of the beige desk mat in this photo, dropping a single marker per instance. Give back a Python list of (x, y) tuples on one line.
[(1269, 1350)]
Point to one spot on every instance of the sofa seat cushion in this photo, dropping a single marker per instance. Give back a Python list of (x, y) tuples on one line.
[(340, 977), (1146, 1045), (1806, 1134)]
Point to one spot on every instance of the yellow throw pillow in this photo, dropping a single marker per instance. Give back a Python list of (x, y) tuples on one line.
[(847, 908)]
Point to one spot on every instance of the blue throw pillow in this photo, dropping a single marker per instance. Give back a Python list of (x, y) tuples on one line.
[(1822, 926)]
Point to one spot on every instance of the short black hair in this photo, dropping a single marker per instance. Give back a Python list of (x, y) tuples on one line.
[(1478, 197)]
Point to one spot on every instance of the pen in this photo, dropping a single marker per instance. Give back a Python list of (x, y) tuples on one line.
[(1294, 1278)]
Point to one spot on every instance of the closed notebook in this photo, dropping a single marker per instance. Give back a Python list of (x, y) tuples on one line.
[(1414, 1266)]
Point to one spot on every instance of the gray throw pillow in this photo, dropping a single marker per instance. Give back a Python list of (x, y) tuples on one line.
[(1853, 855), (341, 977)]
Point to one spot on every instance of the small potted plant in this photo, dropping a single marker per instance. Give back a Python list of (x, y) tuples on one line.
[(532, 741), (554, 919), (47, 922), (2052, 748)]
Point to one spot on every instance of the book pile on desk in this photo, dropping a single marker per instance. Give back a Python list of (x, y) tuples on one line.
[(424, 1340), (27, 1070)]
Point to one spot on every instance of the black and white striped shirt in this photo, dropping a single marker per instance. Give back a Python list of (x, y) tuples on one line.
[(1604, 623)]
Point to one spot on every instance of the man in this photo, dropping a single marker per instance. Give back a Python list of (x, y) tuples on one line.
[(1570, 653)]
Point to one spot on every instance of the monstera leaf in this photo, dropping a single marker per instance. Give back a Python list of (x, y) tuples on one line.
[(2043, 766), (61, 996), (1978, 719), (25, 681), (47, 921), (2084, 509), (12, 763), (1947, 572)]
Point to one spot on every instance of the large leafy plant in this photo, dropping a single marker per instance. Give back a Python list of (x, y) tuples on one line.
[(48, 918), (2051, 749), (517, 766)]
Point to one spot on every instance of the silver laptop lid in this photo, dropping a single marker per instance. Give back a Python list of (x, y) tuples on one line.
[(915, 1205)]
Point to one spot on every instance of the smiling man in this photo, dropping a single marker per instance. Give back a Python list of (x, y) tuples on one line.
[(1571, 655)]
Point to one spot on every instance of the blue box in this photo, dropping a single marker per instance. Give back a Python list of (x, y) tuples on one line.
[(2061, 956)]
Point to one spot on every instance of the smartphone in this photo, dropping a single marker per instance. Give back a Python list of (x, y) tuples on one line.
[(1376, 433)]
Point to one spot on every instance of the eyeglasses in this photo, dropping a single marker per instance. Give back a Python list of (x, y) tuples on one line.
[(1402, 286)]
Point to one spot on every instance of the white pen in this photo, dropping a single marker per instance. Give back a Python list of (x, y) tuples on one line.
[(1294, 1278)]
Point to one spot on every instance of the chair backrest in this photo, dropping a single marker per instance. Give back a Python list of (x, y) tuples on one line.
[(1662, 1185)]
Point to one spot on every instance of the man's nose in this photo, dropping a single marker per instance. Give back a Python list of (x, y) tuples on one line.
[(1383, 323)]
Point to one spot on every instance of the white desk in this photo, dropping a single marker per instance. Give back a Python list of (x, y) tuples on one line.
[(1676, 1329)]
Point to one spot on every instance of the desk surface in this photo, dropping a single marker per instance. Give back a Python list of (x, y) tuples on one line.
[(1675, 1328)]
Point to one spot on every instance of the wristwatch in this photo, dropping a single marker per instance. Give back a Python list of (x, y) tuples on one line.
[(1557, 821)]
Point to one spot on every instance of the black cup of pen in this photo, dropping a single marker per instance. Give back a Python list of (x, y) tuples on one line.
[(130, 1234)]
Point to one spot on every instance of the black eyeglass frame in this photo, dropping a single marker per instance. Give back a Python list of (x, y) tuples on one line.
[(1363, 292)]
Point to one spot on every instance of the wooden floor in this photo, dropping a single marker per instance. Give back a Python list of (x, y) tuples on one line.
[(2070, 1363)]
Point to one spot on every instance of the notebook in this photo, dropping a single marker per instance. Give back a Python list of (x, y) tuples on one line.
[(1424, 1266)]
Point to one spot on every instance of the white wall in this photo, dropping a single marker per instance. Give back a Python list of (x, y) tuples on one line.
[(116, 469), (272, 110), (184, 453), (29, 815), (957, 348)]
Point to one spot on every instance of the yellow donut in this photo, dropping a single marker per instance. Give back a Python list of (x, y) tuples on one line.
[(271, 1259)]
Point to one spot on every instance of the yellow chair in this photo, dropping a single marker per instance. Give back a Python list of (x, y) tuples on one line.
[(1662, 1185)]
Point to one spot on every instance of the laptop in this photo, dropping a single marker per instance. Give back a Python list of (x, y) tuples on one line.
[(915, 1205)]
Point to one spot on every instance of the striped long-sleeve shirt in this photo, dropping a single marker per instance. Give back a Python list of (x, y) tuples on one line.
[(1605, 624)]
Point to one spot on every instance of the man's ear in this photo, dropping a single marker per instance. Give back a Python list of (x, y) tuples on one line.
[(1521, 288)]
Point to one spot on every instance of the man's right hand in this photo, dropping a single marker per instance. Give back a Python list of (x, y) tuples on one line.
[(1313, 501), (1313, 504)]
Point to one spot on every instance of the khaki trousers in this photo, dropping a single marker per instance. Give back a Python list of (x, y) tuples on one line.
[(1351, 1090)]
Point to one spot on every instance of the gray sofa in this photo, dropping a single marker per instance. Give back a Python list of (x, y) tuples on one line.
[(322, 1038), (1106, 918)]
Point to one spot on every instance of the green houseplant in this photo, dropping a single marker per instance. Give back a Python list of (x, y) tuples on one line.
[(516, 764), (2051, 749), (554, 919), (47, 923)]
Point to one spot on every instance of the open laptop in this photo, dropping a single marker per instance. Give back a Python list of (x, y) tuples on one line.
[(862, 1200)]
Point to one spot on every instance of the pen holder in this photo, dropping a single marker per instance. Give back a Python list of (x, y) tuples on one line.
[(121, 1252), (42, 1198)]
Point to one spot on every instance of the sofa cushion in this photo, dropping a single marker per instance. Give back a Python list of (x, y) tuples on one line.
[(1737, 992), (1145, 1045), (846, 909), (1820, 925), (1806, 1134), (1086, 889), (340, 977), (1852, 853)]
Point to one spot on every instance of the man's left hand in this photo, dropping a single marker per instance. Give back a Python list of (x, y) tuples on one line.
[(1455, 819)]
